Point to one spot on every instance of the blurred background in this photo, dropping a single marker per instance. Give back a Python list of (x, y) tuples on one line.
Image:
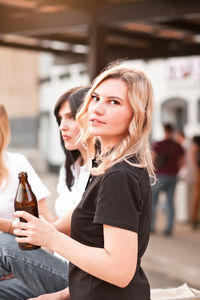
[(49, 46)]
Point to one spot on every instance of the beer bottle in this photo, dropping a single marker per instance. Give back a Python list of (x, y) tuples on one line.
[(25, 200)]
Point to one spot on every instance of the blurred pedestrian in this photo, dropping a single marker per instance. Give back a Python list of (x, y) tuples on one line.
[(110, 227), (181, 138), (195, 201), (183, 186), (168, 158), (184, 142)]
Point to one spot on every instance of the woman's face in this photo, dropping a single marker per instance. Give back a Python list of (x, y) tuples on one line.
[(68, 127), (110, 112)]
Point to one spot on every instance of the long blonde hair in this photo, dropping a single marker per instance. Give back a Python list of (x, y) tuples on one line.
[(136, 142), (4, 141)]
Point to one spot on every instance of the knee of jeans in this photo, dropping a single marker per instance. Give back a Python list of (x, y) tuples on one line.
[(7, 242)]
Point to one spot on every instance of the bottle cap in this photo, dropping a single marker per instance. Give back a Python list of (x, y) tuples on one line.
[(22, 174)]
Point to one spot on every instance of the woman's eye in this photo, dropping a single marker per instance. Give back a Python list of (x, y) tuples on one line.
[(95, 98), (114, 102), (71, 117)]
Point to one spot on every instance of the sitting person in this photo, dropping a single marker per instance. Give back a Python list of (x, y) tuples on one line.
[(49, 271), (106, 235), (10, 165)]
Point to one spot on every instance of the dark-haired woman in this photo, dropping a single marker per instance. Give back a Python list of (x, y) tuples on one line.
[(74, 172)]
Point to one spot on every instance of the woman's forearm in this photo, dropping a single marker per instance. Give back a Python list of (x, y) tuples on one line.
[(60, 295), (63, 224), (6, 225), (44, 211)]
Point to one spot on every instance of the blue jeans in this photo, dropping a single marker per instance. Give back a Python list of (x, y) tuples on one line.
[(167, 184), (36, 272)]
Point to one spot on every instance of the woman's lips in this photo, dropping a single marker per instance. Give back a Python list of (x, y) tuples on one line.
[(65, 137), (96, 121)]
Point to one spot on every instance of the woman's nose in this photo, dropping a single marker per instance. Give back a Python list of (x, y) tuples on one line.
[(63, 125), (99, 108)]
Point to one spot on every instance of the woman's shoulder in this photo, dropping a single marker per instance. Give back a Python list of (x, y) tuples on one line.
[(15, 157), (127, 167), (18, 162)]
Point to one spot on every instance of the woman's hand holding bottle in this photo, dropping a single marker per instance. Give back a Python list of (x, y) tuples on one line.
[(36, 231)]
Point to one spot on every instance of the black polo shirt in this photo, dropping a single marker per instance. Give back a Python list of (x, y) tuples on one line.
[(121, 198)]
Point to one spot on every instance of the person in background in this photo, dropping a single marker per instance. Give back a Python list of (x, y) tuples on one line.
[(10, 165), (110, 227), (38, 272), (181, 139), (168, 158), (183, 186), (195, 201)]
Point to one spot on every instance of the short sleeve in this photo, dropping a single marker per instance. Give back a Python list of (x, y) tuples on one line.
[(119, 201)]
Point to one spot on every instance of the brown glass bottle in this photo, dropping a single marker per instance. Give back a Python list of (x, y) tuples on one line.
[(25, 200)]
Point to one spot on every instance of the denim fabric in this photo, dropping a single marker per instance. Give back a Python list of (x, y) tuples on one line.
[(38, 271), (167, 184), (14, 289)]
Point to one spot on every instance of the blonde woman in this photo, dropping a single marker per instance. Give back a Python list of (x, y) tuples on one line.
[(10, 165), (110, 227)]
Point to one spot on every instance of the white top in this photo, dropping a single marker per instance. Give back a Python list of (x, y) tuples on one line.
[(67, 199), (16, 163)]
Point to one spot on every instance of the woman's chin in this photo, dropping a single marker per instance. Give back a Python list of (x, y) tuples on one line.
[(94, 131), (70, 147)]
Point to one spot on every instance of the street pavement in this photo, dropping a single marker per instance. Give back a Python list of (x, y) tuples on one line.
[(172, 261)]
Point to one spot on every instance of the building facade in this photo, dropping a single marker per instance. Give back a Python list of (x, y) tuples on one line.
[(19, 94)]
